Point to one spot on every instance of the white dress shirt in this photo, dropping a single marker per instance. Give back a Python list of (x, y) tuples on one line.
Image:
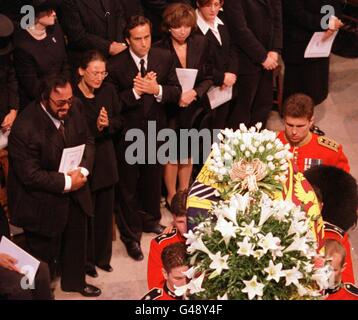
[(137, 60), (205, 27)]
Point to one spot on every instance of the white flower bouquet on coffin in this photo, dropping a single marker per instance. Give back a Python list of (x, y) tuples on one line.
[(249, 160), (253, 247)]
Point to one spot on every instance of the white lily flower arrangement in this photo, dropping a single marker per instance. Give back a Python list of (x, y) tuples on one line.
[(249, 160), (253, 247)]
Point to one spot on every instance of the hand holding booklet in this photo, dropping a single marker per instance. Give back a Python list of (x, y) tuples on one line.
[(320, 46), (186, 78), (26, 263), (71, 158), (218, 96)]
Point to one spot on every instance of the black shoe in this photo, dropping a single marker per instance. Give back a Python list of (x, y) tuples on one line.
[(317, 130), (92, 273), (157, 229), (87, 291), (134, 251), (106, 267)]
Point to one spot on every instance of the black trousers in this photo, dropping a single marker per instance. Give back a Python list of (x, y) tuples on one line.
[(99, 242), (137, 196), (310, 78), (66, 253), (254, 101), (11, 289)]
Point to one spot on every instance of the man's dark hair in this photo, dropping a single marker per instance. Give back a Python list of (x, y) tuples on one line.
[(135, 21), (339, 194), (298, 105), (173, 256), (52, 82), (178, 204)]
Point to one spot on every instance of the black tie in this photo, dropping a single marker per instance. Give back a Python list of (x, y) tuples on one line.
[(61, 129), (143, 72)]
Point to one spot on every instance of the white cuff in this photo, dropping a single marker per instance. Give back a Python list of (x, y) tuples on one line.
[(136, 95), (159, 96), (68, 183), (84, 171)]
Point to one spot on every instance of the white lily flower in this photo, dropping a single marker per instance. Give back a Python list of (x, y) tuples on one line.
[(302, 291), (258, 254), (298, 244), (266, 209), (180, 291), (274, 271), (271, 166), (219, 263), (245, 248), (190, 237), (249, 230), (220, 137), (194, 285), (292, 276), (269, 146), (190, 273), (242, 147), (269, 242), (323, 276), (198, 245), (253, 288), (227, 229), (247, 154)]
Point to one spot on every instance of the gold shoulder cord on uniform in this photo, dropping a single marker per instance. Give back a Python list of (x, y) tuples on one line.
[(328, 143)]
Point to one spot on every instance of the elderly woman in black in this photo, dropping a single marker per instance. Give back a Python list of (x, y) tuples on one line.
[(102, 109), (190, 51), (39, 50)]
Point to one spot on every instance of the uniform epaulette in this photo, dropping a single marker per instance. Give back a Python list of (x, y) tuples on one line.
[(351, 288), (333, 228), (165, 236), (328, 143), (153, 294)]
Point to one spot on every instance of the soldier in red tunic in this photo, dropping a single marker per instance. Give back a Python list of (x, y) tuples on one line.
[(337, 192), (174, 260), (154, 272), (308, 148), (336, 252)]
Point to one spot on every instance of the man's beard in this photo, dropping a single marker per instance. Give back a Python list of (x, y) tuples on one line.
[(56, 114)]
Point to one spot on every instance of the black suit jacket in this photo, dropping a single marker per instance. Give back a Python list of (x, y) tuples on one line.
[(35, 187), (136, 113), (92, 24), (104, 172), (198, 57), (301, 18), (223, 56), (255, 27)]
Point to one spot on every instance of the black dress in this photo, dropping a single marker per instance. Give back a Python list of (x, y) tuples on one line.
[(105, 173), (35, 59), (301, 18)]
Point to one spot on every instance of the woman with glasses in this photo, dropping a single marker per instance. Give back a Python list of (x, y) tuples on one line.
[(190, 51), (39, 50), (222, 53), (102, 109)]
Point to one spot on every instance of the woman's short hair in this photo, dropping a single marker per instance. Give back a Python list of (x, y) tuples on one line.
[(203, 3), (177, 15)]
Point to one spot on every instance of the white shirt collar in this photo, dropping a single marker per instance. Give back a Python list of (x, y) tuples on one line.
[(203, 25), (55, 121), (137, 59)]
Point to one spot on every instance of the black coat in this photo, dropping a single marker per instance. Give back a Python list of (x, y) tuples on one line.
[(92, 24), (301, 18), (105, 171), (136, 113), (35, 59), (132, 7), (9, 96), (198, 57), (255, 27), (223, 56), (35, 187)]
